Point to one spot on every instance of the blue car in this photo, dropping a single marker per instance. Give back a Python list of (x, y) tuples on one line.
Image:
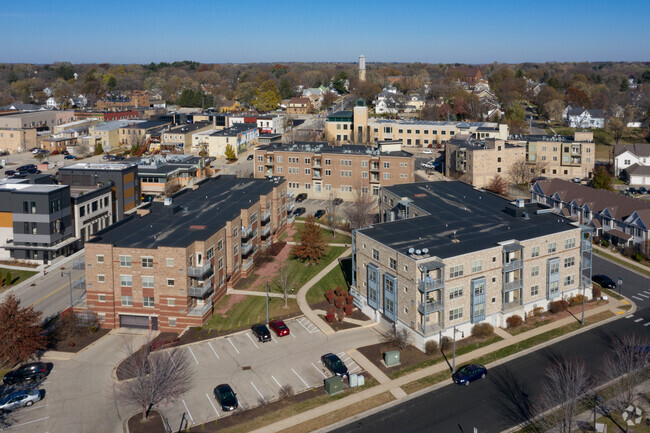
[(469, 373)]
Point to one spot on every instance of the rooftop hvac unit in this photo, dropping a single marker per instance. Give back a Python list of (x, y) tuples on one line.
[(425, 250), (411, 250), (168, 201), (418, 252)]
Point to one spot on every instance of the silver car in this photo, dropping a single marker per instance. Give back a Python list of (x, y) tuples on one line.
[(18, 399)]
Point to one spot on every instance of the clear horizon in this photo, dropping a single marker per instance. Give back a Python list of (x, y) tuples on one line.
[(475, 32)]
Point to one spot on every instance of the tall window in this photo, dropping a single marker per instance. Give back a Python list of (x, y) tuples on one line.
[(147, 262), (552, 247), (125, 261), (477, 266), (534, 252), (375, 254), (393, 264), (147, 282), (456, 313), (147, 301), (569, 243), (456, 271)]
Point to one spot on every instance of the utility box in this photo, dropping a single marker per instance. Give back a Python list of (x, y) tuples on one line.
[(360, 380), (353, 380), (333, 385), (391, 358)]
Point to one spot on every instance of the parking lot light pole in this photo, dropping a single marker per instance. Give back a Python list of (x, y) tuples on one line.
[(267, 302), (462, 335)]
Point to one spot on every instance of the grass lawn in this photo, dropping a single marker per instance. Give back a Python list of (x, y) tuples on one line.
[(603, 136), (16, 276), (250, 311), (336, 277), (327, 235)]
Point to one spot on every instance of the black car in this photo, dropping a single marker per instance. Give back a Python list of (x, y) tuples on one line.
[(301, 197), (469, 373), (334, 364), (10, 172), (226, 397), (337, 201), (604, 281), (319, 213), (261, 332), (33, 171), (299, 211), (250, 157), (33, 371), (25, 168), (643, 190)]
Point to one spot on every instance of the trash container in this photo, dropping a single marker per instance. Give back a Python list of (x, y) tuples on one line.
[(333, 385), (391, 357)]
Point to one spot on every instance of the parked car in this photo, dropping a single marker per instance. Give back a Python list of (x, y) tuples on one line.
[(65, 152), (631, 190), (301, 197), (299, 211), (337, 201), (643, 190), (25, 168), (334, 364), (33, 171), (319, 213), (604, 281), (36, 151), (279, 327), (261, 332), (469, 373), (250, 157), (69, 157), (226, 397), (427, 151), (18, 399), (32, 371), (10, 172), (107, 156)]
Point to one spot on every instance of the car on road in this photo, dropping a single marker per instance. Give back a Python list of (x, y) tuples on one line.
[(36, 151), (18, 399), (261, 332), (299, 211), (643, 190), (250, 157), (301, 197), (427, 151), (337, 201), (604, 281), (319, 213), (226, 397), (10, 172), (32, 371), (25, 168), (69, 157), (279, 327), (469, 373), (334, 364), (65, 152)]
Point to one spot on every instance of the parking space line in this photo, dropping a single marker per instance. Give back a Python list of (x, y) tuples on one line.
[(302, 324), (282, 387), (644, 295), (34, 407), (188, 411), (213, 351), (640, 319), (646, 324), (25, 423), (190, 349), (213, 406), (276, 341), (355, 369), (292, 335), (258, 391), (173, 362), (319, 370), (303, 380), (637, 298), (233, 345), (249, 337)]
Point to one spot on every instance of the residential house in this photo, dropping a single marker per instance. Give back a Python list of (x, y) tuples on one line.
[(578, 117), (630, 162), (298, 106), (465, 74), (178, 139), (240, 136), (107, 134)]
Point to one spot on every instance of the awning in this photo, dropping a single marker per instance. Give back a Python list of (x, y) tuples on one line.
[(619, 234), (508, 248), (429, 266)]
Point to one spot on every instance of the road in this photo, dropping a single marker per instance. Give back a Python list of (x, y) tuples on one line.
[(490, 405)]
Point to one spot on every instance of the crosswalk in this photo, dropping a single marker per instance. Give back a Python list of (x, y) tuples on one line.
[(641, 296), (638, 319)]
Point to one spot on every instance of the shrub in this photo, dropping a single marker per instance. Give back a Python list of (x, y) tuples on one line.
[(331, 310), (539, 311), (338, 290), (340, 315), (575, 300), (514, 321), (348, 309), (558, 306), (605, 243), (339, 301), (350, 299), (8, 278), (597, 292), (638, 257), (431, 347), (445, 344), (330, 317), (344, 293), (482, 330), (329, 295)]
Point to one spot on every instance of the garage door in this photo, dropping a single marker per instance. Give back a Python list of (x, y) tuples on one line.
[(134, 322)]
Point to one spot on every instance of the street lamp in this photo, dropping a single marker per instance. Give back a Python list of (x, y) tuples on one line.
[(70, 284), (462, 335), (596, 400)]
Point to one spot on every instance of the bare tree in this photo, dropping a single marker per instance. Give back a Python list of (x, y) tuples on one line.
[(160, 376), (398, 337), (285, 279), (498, 185), (523, 171), (567, 384), (331, 209), (360, 214), (627, 364)]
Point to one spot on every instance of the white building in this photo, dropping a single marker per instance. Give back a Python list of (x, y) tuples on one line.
[(578, 117)]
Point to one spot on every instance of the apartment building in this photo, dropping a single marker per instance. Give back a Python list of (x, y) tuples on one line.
[(58, 144), (323, 171), (161, 176), (178, 139), (166, 267), (138, 133), (108, 133), (107, 116), (37, 119), (134, 99), (92, 210), (240, 136), (454, 256), (298, 106), (14, 140)]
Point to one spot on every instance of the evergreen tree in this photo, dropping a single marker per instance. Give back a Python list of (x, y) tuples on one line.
[(601, 179), (312, 246)]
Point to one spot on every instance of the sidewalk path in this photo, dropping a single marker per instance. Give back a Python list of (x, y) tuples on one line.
[(257, 293)]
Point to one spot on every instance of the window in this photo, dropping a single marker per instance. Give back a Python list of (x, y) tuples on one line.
[(170, 282), (234, 232), (171, 302), (147, 262), (147, 301), (172, 321), (386, 164), (456, 313), (125, 261), (33, 207), (210, 252), (569, 243), (127, 301), (535, 252), (170, 262), (126, 280), (534, 271), (569, 261), (375, 254), (456, 292), (328, 172), (101, 278), (552, 247), (456, 271), (100, 258), (147, 282), (328, 161), (101, 297), (477, 266), (386, 176), (569, 280), (220, 245), (554, 269), (220, 262), (393, 264)]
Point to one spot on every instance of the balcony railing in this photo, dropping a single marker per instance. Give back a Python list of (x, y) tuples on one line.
[(199, 291), (247, 264), (429, 307), (430, 328), (199, 271), (246, 232), (246, 247), (586, 263), (509, 306), (266, 215), (291, 218), (431, 284), (513, 285), (316, 163), (200, 310), (266, 231), (292, 205), (586, 245), (512, 265), (374, 167)]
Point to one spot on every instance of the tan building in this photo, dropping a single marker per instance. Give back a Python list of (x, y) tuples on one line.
[(451, 256), (323, 171), (240, 136), (165, 175), (135, 99), (17, 140), (36, 119), (167, 267), (58, 144), (138, 133), (298, 106), (179, 139), (108, 133)]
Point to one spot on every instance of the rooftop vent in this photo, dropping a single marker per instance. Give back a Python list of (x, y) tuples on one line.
[(411, 250), (168, 201)]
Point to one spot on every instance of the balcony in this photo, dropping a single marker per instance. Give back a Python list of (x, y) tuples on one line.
[(512, 265), (316, 175), (374, 179), (316, 163), (196, 291), (509, 306), (374, 167), (586, 263), (429, 329), (291, 218), (429, 307), (266, 231), (246, 247), (430, 284), (199, 271), (246, 265), (266, 215), (513, 285), (269, 161), (246, 232), (200, 310), (292, 205), (585, 245)]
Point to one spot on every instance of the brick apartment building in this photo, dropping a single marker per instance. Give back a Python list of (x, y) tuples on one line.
[(322, 171), (167, 266)]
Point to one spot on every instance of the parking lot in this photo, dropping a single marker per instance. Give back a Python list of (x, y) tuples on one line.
[(312, 205), (257, 372)]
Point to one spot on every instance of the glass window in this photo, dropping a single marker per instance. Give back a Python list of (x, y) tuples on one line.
[(455, 271), (125, 261), (393, 263), (101, 297), (456, 313), (552, 247), (534, 290), (171, 302), (100, 258), (127, 301), (569, 261), (147, 282), (477, 266), (456, 292), (569, 243), (147, 262), (126, 280), (375, 254), (101, 278), (535, 252), (147, 301), (534, 271), (170, 262), (170, 282)]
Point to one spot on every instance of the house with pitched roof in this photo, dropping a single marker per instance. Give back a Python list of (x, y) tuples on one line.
[(632, 163), (578, 117)]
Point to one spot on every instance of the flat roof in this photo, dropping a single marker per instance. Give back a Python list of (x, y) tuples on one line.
[(349, 149), (235, 129), (416, 122), (187, 127), (99, 166), (194, 215), (461, 220), (30, 187), (116, 124), (149, 124)]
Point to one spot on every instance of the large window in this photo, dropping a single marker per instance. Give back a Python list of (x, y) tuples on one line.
[(125, 261), (456, 313), (127, 301), (534, 252), (126, 280), (552, 247), (477, 266), (147, 262), (569, 243), (456, 271), (534, 271), (147, 301), (456, 292), (147, 282), (393, 264), (569, 261)]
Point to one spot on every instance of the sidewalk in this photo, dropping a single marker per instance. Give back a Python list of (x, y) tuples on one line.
[(257, 293)]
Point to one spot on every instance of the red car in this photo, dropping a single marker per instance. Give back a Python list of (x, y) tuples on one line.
[(279, 327)]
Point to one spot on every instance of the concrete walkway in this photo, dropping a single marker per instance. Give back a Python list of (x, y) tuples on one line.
[(257, 293), (503, 333), (351, 320), (331, 245)]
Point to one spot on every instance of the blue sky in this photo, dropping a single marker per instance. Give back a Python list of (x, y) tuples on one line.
[(220, 31)]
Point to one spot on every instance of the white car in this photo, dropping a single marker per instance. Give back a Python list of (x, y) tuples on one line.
[(427, 151), (18, 399)]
